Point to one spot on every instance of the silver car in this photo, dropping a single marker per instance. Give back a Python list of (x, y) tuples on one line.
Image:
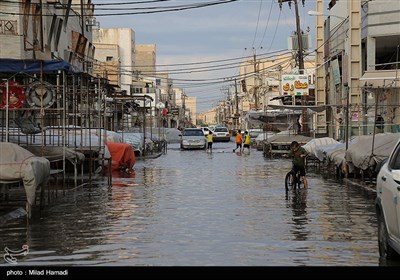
[(388, 206), (193, 138)]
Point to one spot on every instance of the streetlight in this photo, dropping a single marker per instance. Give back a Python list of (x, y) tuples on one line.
[(315, 13)]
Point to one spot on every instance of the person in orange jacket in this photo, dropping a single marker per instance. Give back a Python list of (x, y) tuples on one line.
[(238, 141)]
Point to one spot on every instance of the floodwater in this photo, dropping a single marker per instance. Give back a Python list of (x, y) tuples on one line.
[(193, 208)]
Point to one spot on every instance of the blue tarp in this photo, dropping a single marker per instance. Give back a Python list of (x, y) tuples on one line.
[(9, 65)]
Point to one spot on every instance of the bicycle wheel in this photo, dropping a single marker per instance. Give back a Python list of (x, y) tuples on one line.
[(289, 179), (298, 181)]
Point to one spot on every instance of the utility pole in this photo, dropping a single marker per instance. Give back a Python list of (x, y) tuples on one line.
[(237, 107), (299, 37), (255, 80), (298, 31), (183, 119), (347, 90), (299, 55)]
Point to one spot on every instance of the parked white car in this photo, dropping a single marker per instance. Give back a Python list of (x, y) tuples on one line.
[(388, 206)]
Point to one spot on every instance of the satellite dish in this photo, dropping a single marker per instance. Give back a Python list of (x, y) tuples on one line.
[(40, 95)]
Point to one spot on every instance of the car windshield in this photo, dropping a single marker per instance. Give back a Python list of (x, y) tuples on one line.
[(193, 133), (221, 129)]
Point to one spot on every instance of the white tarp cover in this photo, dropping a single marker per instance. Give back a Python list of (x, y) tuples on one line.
[(113, 136), (360, 154), (17, 163), (135, 139), (336, 153), (75, 138), (54, 152), (314, 145), (172, 135)]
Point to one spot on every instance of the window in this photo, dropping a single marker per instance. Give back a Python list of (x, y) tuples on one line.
[(193, 133), (57, 33), (109, 58), (221, 129), (395, 160)]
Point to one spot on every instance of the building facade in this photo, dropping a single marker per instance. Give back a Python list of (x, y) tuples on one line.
[(41, 30), (117, 47), (359, 61), (146, 59)]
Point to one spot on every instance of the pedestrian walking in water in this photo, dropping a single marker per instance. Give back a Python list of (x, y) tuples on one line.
[(209, 141), (247, 141), (238, 141)]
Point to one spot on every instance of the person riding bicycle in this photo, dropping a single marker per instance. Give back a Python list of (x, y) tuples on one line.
[(299, 160)]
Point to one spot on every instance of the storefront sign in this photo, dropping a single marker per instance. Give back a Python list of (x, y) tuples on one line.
[(294, 85)]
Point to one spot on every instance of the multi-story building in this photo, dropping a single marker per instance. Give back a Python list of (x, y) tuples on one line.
[(46, 30), (356, 64), (208, 117), (380, 83), (191, 111), (116, 50), (47, 37), (146, 59), (46, 61)]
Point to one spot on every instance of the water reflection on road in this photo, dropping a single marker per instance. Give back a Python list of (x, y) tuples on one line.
[(197, 208)]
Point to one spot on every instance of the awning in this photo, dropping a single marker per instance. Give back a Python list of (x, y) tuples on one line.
[(380, 79), (9, 65), (299, 107)]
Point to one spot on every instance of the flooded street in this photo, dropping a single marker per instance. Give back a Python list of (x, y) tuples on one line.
[(192, 208)]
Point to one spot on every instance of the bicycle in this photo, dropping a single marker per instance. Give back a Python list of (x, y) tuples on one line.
[(292, 179)]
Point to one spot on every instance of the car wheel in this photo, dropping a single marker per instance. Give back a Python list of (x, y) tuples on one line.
[(385, 250)]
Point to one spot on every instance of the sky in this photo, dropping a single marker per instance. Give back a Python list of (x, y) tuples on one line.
[(202, 47)]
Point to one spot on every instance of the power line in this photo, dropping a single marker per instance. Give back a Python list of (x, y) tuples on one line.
[(266, 26), (151, 10), (258, 21)]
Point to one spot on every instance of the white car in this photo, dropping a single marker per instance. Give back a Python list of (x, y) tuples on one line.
[(193, 138), (221, 134), (206, 130), (388, 206)]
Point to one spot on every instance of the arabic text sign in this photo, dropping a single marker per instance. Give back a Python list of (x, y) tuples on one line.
[(294, 85)]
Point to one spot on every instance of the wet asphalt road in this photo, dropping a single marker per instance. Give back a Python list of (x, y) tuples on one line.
[(192, 208)]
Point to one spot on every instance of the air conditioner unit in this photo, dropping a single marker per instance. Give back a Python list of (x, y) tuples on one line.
[(91, 21), (293, 42)]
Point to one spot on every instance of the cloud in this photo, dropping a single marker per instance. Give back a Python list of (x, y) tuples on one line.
[(213, 33)]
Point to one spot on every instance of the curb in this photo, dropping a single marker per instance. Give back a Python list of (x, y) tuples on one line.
[(369, 188)]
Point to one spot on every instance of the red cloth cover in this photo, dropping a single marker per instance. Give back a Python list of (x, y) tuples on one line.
[(122, 155)]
